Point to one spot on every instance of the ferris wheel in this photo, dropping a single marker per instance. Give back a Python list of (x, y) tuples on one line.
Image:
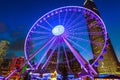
[(61, 30)]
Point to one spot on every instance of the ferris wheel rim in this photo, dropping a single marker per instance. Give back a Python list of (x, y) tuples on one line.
[(26, 55)]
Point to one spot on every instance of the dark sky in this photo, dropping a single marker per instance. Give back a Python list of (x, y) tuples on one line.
[(17, 16)]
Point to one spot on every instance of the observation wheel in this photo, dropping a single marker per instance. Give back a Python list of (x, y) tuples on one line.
[(62, 37)]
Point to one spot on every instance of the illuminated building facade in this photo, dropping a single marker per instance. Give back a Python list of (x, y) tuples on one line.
[(51, 66), (4, 63), (5, 67), (75, 66), (63, 67), (3, 49), (109, 63)]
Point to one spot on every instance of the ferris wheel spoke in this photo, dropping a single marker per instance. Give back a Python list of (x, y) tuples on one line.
[(77, 45), (39, 38), (39, 32), (76, 25), (66, 57), (75, 20), (45, 53), (34, 54), (94, 23), (93, 33), (63, 23), (69, 19), (58, 56), (50, 56), (86, 40), (35, 44), (59, 18), (48, 23), (87, 33), (39, 43), (79, 58), (74, 29), (41, 26)]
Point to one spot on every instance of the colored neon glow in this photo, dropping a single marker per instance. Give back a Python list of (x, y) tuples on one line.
[(80, 59), (69, 28), (45, 53)]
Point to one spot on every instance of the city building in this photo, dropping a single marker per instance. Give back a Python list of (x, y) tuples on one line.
[(109, 63), (5, 67), (4, 63), (4, 45), (63, 67)]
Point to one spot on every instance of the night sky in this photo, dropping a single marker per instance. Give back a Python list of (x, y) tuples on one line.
[(17, 17)]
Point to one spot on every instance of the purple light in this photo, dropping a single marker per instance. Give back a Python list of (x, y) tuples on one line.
[(105, 50), (52, 14), (56, 12), (101, 57), (58, 55), (84, 11), (79, 10), (79, 58), (48, 16), (107, 44), (88, 12), (48, 59), (40, 21), (43, 27), (60, 11), (66, 57), (70, 9), (64, 18), (38, 32), (74, 10), (33, 55), (96, 64), (10, 74), (48, 23), (66, 9), (44, 19), (68, 21), (45, 53)]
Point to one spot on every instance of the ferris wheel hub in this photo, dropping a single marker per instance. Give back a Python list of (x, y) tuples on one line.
[(58, 30)]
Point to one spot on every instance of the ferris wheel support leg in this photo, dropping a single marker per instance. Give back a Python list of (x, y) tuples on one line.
[(80, 59)]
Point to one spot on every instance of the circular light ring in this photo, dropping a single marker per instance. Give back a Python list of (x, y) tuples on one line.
[(57, 11)]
